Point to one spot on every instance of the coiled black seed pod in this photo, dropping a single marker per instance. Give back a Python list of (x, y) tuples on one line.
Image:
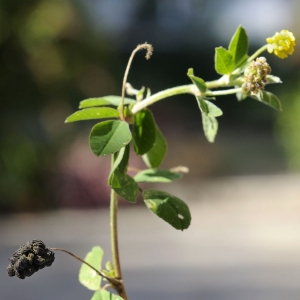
[(30, 258)]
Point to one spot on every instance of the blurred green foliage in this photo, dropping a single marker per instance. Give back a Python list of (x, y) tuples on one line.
[(49, 60), (51, 57)]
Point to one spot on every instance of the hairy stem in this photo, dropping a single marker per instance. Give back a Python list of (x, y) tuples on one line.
[(110, 279), (114, 240), (183, 89), (186, 89)]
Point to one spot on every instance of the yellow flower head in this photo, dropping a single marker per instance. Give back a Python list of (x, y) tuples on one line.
[(282, 43)]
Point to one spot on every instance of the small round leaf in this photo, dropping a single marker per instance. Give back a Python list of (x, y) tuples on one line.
[(168, 207), (109, 137)]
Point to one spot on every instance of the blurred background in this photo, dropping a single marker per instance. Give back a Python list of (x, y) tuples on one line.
[(54, 54)]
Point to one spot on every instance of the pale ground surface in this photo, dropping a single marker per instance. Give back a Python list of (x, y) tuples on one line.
[(243, 244)]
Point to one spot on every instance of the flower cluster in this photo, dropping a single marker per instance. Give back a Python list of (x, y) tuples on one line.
[(282, 43), (255, 76), (30, 258)]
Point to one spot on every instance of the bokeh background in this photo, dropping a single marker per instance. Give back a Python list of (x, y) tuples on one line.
[(54, 54)]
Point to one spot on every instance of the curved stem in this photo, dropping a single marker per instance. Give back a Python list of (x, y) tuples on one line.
[(186, 89), (110, 279), (149, 49), (259, 51), (183, 89)]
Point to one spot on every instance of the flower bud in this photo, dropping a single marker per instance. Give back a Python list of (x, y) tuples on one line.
[(255, 76)]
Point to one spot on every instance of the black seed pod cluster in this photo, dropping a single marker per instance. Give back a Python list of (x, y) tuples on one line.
[(30, 258)]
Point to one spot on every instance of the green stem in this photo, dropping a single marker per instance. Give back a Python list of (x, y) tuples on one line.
[(114, 239), (259, 51), (114, 233), (186, 89), (183, 89), (224, 92), (110, 279)]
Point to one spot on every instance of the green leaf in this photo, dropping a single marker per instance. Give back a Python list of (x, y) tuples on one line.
[(213, 110), (202, 105), (208, 108), (93, 113), (168, 207), (104, 101), (154, 157), (269, 99), (124, 185), (238, 47), (120, 182), (143, 132), (105, 295), (109, 137), (199, 82), (152, 175), (210, 127), (223, 61), (87, 276), (120, 157)]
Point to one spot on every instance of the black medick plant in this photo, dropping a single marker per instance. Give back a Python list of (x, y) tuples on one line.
[(241, 74)]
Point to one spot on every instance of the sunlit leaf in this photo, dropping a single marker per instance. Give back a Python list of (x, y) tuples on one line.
[(168, 207), (109, 137), (104, 101), (87, 276), (223, 61), (238, 47), (199, 82), (153, 175), (93, 113)]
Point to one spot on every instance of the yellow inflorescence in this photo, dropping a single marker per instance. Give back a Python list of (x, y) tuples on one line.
[(282, 43)]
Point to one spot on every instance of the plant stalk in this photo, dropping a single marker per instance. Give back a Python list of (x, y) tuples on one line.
[(113, 281), (114, 240), (186, 89)]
